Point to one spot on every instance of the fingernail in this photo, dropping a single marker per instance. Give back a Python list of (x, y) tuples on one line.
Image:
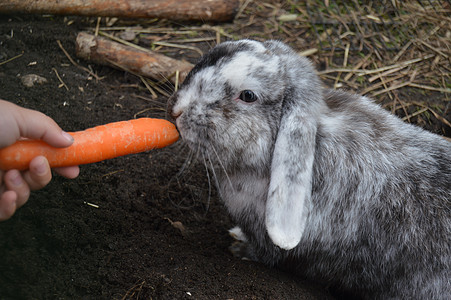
[(41, 167), (67, 136), (16, 179)]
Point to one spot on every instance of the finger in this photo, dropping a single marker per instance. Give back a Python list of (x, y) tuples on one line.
[(14, 182), (68, 172), (7, 205), (39, 173)]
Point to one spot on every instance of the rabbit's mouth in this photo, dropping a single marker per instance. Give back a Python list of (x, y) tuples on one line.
[(196, 135)]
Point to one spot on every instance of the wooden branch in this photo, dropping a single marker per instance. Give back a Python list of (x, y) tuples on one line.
[(184, 10), (141, 62)]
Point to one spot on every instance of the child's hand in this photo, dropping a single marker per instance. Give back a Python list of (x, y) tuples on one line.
[(16, 123)]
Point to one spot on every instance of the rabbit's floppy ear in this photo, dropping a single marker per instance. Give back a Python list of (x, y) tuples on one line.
[(291, 176)]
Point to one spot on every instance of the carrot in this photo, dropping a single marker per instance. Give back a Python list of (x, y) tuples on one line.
[(94, 144)]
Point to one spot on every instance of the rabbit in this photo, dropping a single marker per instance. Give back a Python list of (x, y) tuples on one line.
[(323, 183)]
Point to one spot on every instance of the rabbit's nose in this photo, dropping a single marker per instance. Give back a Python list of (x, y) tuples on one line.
[(174, 110), (175, 115)]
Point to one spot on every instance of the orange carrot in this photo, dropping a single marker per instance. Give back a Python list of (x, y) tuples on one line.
[(94, 144)]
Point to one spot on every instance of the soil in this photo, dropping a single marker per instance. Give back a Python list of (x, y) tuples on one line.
[(136, 227), (143, 226)]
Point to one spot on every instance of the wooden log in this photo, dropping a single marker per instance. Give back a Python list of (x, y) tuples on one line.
[(184, 10), (142, 62)]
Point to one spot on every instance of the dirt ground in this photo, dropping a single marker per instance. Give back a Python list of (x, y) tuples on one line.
[(144, 226)]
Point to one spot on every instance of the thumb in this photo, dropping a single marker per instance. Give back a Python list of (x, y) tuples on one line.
[(35, 125)]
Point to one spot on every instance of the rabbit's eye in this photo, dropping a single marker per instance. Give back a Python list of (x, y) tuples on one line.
[(248, 96)]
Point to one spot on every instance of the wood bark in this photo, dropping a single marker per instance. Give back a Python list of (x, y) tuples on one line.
[(184, 10), (142, 62)]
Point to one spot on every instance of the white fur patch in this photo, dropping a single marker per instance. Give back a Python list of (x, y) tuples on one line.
[(237, 234), (237, 71), (332, 123), (239, 201), (190, 94)]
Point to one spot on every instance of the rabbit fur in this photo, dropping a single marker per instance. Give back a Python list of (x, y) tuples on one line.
[(322, 182)]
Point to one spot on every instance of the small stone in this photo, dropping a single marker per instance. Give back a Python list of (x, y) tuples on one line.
[(31, 79), (127, 35)]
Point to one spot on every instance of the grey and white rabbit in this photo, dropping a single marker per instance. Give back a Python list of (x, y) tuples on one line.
[(322, 182)]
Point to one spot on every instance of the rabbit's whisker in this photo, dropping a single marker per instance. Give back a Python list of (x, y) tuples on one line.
[(186, 163), (214, 174), (209, 185), (222, 166)]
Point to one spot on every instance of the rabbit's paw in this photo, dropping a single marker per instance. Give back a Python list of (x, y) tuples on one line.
[(241, 248)]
